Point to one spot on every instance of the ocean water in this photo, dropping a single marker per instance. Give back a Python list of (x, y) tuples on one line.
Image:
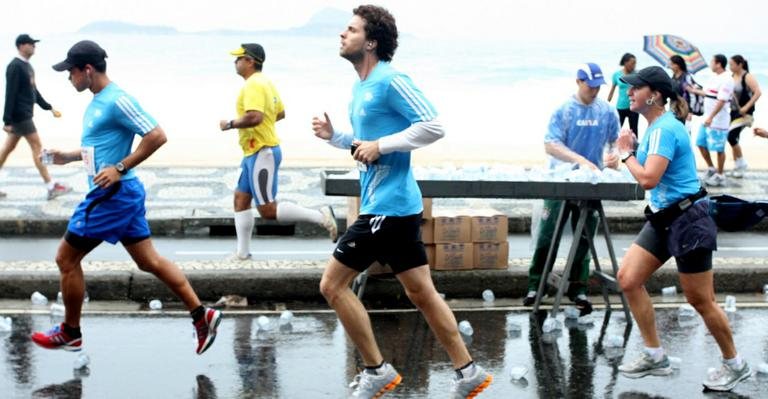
[(495, 98)]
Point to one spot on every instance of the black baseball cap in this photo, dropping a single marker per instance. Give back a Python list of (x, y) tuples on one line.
[(655, 77), (25, 39), (253, 50), (82, 53)]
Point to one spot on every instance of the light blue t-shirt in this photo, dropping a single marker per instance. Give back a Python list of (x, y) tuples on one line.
[(584, 129), (622, 101), (668, 138), (110, 123), (387, 102)]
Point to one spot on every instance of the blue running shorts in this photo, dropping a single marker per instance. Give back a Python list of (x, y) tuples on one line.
[(112, 214), (712, 139)]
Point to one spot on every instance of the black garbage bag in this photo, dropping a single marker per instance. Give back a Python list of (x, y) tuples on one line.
[(735, 214)]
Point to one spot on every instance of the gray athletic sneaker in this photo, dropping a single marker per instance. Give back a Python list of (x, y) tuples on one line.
[(369, 386), (330, 223), (726, 378), (467, 388), (645, 365)]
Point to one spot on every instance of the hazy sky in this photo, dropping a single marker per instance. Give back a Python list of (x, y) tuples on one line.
[(599, 20)]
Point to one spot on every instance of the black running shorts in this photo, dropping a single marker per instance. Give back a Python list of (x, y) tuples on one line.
[(391, 240)]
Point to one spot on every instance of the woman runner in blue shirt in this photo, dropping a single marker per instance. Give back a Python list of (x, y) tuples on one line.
[(678, 225)]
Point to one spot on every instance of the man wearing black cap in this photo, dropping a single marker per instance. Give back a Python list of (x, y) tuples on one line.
[(113, 210), (21, 94), (258, 108)]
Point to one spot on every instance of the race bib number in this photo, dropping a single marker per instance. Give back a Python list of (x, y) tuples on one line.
[(88, 154)]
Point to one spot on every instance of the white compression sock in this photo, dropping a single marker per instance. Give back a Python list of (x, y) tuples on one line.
[(290, 212), (656, 353), (244, 229)]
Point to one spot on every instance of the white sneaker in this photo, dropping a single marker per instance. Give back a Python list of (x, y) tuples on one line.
[(716, 180), (707, 174), (330, 223)]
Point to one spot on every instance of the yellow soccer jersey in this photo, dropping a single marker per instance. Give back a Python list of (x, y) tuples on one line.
[(259, 94)]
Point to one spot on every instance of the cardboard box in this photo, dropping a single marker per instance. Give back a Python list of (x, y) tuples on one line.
[(490, 255), (428, 231), (453, 256), (489, 225), (452, 226), (353, 209)]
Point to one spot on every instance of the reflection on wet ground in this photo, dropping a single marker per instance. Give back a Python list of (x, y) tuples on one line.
[(152, 356)]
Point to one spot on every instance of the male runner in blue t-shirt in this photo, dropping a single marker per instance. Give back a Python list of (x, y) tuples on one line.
[(113, 210), (390, 117), (578, 132)]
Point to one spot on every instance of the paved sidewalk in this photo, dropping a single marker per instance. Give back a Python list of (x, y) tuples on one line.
[(191, 200)]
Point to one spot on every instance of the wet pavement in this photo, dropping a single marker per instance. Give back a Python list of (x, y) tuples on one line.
[(137, 353)]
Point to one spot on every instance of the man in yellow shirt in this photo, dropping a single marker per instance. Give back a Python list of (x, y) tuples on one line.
[(258, 108)]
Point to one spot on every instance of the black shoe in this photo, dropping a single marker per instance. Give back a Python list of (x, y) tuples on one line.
[(529, 299), (583, 304)]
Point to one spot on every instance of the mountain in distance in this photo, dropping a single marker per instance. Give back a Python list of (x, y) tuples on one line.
[(328, 21)]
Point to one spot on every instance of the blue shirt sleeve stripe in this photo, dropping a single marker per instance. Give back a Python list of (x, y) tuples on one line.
[(143, 124), (413, 98)]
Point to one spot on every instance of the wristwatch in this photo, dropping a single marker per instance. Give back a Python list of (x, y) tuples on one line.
[(231, 124), (121, 168), (626, 155)]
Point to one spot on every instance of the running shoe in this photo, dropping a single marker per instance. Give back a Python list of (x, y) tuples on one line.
[(56, 338), (369, 386), (205, 329), (583, 304), (716, 180), (726, 378), (330, 223), (645, 365), (58, 190), (470, 387)]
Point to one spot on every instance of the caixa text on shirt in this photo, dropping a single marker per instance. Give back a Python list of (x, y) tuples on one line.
[(587, 122)]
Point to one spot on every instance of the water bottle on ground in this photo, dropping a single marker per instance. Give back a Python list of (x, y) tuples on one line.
[(730, 304), (82, 361), (488, 296), (614, 341), (762, 368), (571, 312), (675, 362), (518, 372), (39, 299), (465, 328), (286, 317), (57, 309), (6, 324), (669, 291), (686, 311), (155, 304), (551, 324), (586, 320), (263, 322)]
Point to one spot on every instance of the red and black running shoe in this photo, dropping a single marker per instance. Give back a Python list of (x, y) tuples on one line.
[(206, 329), (56, 338)]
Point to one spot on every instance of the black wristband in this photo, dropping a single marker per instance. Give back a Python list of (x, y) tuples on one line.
[(626, 157), (231, 124)]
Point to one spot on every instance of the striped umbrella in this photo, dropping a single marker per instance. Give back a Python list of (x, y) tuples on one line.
[(662, 47)]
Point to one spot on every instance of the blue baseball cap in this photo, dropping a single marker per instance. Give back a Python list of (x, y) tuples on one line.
[(591, 74)]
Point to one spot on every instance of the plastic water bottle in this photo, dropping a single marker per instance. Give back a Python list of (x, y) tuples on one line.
[(38, 299), (488, 296), (263, 322), (59, 298), (286, 317), (669, 291), (586, 320), (57, 309), (82, 361), (614, 341), (465, 328), (730, 303), (762, 368), (571, 312), (686, 311), (155, 304), (6, 324), (46, 157), (518, 372), (551, 324), (675, 362)]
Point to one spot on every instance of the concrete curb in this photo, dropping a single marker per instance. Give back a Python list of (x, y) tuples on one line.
[(303, 284), (204, 226)]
